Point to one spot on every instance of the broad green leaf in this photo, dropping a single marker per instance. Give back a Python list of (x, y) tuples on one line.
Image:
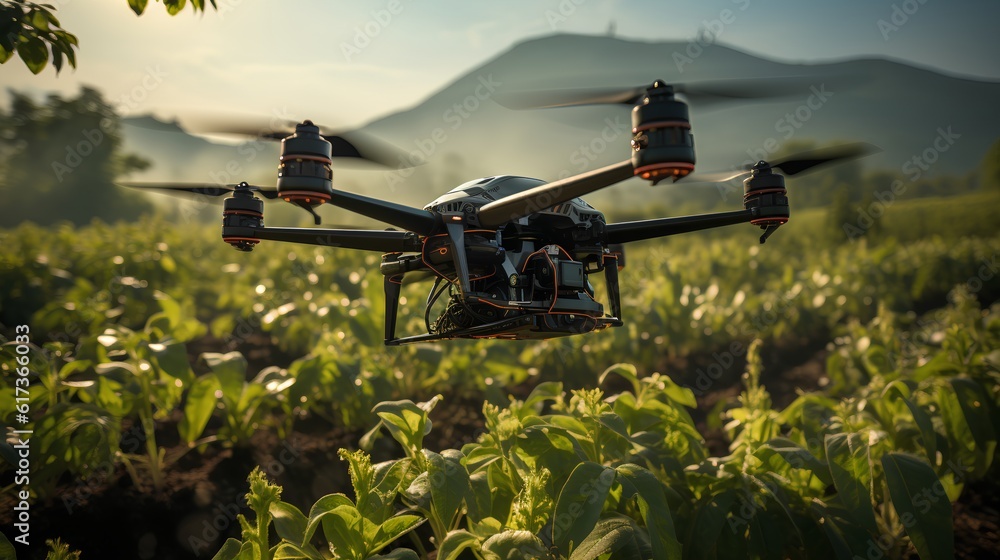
[(653, 506), (676, 393), (545, 391), (170, 356), (848, 540), (7, 551), (392, 529), (626, 371), (230, 550), (847, 455), (767, 535), (921, 503), (551, 447), (455, 542), (797, 457), (975, 407), (231, 371), (406, 421), (290, 551), (610, 536), (514, 544), (708, 522), (321, 509), (449, 485), (937, 365), (579, 504), (174, 6), (34, 53), (289, 522), (397, 554), (138, 6), (198, 410), (923, 421), (348, 531)]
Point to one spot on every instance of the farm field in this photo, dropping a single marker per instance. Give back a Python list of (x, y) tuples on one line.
[(811, 398)]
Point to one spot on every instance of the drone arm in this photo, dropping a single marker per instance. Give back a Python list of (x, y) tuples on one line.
[(423, 222), (626, 232), (365, 240), (545, 196)]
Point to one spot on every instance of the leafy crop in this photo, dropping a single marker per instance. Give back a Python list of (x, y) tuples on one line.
[(583, 475), (871, 463)]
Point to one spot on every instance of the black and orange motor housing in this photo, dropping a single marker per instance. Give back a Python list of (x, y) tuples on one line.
[(765, 190), (662, 144), (241, 211), (305, 175)]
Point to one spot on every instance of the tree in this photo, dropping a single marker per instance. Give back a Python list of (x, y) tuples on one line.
[(33, 31), (59, 161), (989, 169)]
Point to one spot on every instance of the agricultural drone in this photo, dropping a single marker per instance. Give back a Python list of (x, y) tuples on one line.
[(513, 255)]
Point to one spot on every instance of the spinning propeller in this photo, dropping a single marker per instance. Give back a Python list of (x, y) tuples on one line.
[(702, 93), (794, 164)]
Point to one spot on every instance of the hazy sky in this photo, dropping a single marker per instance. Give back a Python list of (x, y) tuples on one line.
[(346, 62)]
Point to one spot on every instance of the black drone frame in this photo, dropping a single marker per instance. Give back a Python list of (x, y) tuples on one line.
[(662, 148)]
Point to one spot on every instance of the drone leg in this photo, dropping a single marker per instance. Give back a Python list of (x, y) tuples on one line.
[(456, 231), (391, 309), (767, 232), (614, 291)]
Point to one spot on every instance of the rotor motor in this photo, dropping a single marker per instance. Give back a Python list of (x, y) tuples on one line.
[(765, 190), (662, 144), (305, 175), (242, 210)]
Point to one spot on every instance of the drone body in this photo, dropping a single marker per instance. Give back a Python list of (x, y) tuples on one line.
[(511, 257)]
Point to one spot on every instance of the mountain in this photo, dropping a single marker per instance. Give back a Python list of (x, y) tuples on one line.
[(463, 133)]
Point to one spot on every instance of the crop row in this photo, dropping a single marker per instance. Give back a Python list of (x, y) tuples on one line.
[(875, 461), (585, 475)]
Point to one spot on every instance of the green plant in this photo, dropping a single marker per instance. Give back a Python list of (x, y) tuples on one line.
[(142, 373), (355, 531), (246, 405)]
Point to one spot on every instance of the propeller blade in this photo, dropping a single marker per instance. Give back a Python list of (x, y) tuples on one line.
[(570, 97), (794, 164), (364, 146), (203, 189), (713, 177), (350, 145), (251, 125), (804, 161), (747, 89), (701, 93)]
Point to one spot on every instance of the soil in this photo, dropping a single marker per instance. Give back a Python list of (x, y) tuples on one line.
[(108, 517)]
